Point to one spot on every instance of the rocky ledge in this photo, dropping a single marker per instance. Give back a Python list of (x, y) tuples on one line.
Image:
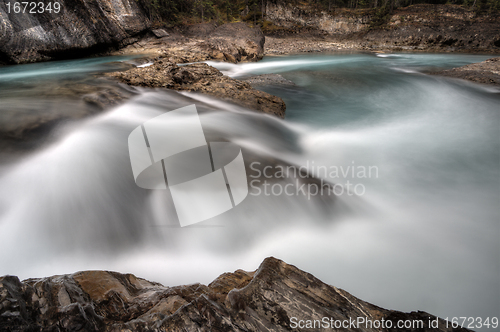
[(276, 297), (202, 78), (486, 72)]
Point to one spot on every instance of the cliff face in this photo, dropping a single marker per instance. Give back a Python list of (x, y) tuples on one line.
[(417, 27), (81, 26), (290, 16), (276, 297), (437, 28)]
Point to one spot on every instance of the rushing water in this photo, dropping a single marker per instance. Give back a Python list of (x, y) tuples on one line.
[(419, 232)]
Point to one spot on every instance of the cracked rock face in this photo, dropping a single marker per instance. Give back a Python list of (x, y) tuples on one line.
[(273, 298), (81, 25)]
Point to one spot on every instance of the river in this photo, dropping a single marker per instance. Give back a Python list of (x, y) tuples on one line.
[(417, 230)]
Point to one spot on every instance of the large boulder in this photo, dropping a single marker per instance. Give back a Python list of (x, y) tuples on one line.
[(232, 42), (80, 26), (235, 42)]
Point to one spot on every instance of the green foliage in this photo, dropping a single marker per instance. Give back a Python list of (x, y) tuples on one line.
[(255, 14), (162, 10), (381, 17), (172, 12), (268, 27), (329, 5), (489, 6)]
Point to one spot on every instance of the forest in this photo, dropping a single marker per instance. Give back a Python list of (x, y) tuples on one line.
[(174, 12)]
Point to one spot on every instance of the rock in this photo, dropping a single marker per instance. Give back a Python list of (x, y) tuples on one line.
[(268, 79), (422, 27), (80, 27), (30, 111), (229, 281), (486, 72), (436, 28), (198, 31), (105, 99), (292, 44), (232, 42), (273, 298), (288, 18), (159, 33), (238, 42), (202, 78)]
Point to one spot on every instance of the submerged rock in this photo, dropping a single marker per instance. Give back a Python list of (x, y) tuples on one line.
[(202, 78), (30, 111), (268, 79), (276, 297)]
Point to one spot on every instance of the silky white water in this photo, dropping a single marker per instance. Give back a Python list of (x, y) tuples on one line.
[(418, 233)]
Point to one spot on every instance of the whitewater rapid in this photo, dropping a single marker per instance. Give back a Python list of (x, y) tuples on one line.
[(423, 235)]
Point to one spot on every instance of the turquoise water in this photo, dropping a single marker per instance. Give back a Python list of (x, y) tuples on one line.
[(344, 89), (433, 233), (61, 69), (423, 235)]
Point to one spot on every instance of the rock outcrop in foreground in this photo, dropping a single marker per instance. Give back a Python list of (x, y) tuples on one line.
[(81, 26), (202, 78), (276, 297)]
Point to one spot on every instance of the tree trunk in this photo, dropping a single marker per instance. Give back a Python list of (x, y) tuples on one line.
[(255, 14), (262, 9)]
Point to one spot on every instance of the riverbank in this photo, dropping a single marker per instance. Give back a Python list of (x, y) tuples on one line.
[(126, 27), (486, 72), (301, 29), (428, 28)]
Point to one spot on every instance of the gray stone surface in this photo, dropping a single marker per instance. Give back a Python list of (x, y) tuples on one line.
[(273, 298), (81, 26)]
